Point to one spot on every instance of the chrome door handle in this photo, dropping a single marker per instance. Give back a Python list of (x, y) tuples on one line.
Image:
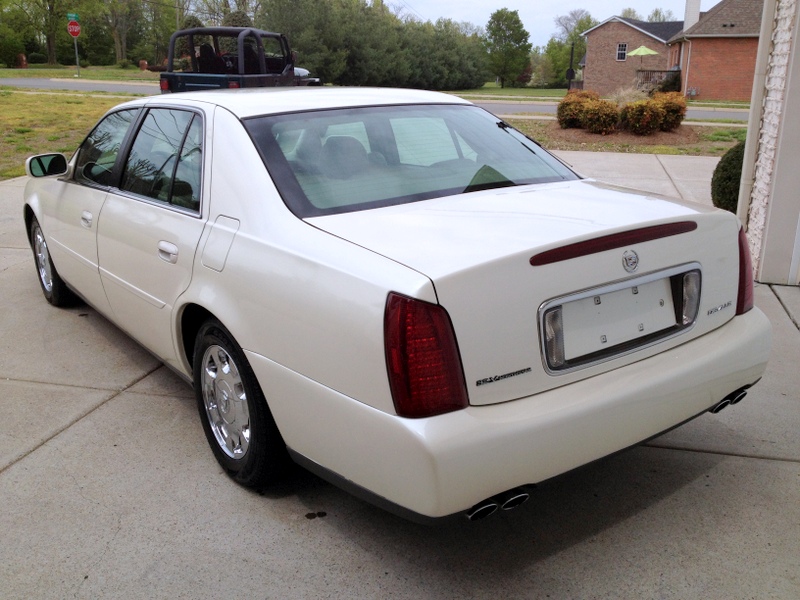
[(86, 219), (167, 252)]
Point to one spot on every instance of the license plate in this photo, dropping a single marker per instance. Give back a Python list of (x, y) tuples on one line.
[(597, 323)]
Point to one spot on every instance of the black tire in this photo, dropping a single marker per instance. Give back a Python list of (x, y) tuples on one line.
[(241, 432), (53, 287)]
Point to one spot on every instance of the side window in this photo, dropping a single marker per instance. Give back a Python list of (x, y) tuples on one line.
[(424, 141), (622, 51), (164, 162), (186, 188), (98, 153)]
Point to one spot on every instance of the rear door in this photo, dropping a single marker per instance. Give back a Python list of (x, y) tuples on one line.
[(150, 226)]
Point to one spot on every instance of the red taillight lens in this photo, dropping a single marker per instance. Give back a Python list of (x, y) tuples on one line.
[(744, 301), (233, 85), (164, 85), (422, 358)]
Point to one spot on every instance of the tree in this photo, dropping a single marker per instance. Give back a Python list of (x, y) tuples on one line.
[(507, 44), (567, 24), (660, 16), (630, 13), (560, 46)]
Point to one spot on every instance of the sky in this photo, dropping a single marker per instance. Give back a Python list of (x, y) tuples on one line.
[(537, 16)]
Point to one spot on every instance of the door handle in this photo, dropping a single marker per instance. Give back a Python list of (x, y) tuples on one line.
[(86, 219), (167, 252)]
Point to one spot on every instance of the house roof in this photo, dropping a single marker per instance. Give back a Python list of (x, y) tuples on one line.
[(729, 18), (662, 31)]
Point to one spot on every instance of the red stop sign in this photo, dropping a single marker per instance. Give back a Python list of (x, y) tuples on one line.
[(74, 28)]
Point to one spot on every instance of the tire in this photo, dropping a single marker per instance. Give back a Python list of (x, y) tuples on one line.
[(53, 287), (236, 418)]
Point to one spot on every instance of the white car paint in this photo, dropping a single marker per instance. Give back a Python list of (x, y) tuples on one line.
[(305, 299)]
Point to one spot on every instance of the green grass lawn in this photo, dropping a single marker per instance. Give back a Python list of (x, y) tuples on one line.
[(67, 72)]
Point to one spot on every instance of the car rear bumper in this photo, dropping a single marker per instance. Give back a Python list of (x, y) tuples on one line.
[(441, 465)]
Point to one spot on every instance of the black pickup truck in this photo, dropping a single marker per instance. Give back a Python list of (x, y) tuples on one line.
[(207, 58)]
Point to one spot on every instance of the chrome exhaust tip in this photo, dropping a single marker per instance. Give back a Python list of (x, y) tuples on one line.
[(513, 498), (482, 510), (729, 400)]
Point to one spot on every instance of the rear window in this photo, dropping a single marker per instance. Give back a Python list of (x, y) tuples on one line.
[(335, 161)]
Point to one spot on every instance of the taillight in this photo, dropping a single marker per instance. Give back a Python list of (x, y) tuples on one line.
[(164, 85), (425, 373), (233, 85), (744, 301)]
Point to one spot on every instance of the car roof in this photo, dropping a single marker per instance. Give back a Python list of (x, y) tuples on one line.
[(264, 101)]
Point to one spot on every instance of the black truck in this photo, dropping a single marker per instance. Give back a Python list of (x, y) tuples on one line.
[(207, 58)]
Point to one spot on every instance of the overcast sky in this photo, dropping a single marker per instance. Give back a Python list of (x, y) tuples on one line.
[(537, 15)]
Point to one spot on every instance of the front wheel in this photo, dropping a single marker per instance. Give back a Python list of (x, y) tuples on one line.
[(54, 289), (235, 416)]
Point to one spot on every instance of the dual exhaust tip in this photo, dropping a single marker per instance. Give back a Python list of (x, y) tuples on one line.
[(517, 497), (729, 400), (506, 501)]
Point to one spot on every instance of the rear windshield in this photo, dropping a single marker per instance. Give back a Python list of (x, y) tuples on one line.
[(335, 161)]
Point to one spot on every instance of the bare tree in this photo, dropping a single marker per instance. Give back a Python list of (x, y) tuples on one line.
[(567, 23), (660, 16), (630, 13)]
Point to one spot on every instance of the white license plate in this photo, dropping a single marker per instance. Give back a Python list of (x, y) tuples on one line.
[(597, 323)]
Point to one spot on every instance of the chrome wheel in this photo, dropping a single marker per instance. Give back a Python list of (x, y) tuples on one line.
[(225, 401), (43, 265)]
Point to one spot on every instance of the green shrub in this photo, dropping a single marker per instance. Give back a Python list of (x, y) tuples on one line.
[(11, 47), (599, 116), (570, 108), (642, 118), (124, 64), (726, 178), (674, 105), (36, 58)]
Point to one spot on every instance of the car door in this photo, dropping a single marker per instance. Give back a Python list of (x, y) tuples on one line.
[(71, 221), (150, 227)]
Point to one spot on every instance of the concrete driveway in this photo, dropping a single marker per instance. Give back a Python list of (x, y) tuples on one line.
[(109, 490)]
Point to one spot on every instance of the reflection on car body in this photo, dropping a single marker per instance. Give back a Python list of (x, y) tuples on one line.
[(395, 289)]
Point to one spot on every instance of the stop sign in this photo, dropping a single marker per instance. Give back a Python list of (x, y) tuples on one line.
[(74, 28)]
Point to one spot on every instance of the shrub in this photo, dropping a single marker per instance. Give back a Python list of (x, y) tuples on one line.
[(674, 105), (570, 108), (625, 95), (124, 64), (599, 116), (726, 178), (36, 58), (671, 83), (642, 117)]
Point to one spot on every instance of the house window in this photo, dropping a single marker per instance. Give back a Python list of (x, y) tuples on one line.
[(622, 51)]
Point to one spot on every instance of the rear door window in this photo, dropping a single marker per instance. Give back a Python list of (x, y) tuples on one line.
[(165, 161)]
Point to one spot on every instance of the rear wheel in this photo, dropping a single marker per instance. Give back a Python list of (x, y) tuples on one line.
[(53, 287), (235, 416)]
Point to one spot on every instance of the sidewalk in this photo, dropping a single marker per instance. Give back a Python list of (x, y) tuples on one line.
[(108, 488)]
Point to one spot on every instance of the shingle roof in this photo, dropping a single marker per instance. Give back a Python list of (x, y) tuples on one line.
[(663, 30), (660, 31), (729, 18)]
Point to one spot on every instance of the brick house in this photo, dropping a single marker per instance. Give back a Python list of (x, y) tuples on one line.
[(717, 50), (608, 66)]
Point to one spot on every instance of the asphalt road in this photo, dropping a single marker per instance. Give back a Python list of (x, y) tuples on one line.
[(496, 107)]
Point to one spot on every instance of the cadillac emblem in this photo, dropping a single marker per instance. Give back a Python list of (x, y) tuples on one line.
[(630, 260)]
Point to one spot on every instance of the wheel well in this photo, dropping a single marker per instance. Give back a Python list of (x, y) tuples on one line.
[(28, 221), (192, 319)]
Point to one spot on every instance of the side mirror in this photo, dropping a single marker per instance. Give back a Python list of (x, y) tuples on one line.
[(44, 165)]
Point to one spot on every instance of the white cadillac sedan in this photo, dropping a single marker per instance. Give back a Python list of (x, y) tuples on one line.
[(395, 289)]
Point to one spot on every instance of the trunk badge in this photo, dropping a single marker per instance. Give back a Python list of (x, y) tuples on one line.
[(630, 261)]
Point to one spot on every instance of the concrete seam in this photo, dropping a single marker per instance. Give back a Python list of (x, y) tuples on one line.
[(720, 453), (672, 181), (77, 419), (785, 308)]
